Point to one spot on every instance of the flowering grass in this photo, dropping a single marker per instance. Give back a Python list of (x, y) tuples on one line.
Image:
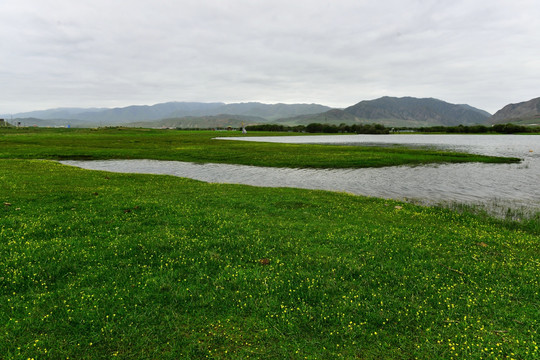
[(200, 147), (96, 265)]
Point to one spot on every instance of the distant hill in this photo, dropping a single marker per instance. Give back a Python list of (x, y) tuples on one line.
[(31, 121), (265, 111), (405, 111), (523, 113), (202, 122), (333, 117), (59, 113), (139, 113)]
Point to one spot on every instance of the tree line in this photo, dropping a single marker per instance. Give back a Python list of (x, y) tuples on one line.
[(381, 129), (324, 128), (481, 129)]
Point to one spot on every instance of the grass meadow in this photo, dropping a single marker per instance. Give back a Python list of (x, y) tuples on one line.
[(97, 265)]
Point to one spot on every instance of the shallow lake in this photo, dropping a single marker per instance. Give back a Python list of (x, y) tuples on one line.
[(496, 187)]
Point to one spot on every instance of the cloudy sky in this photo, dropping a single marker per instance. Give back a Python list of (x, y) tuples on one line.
[(112, 53)]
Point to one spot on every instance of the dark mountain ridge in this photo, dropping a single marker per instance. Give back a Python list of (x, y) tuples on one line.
[(526, 112), (428, 110), (393, 111)]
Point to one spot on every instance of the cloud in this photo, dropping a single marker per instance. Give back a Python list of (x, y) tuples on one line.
[(111, 53)]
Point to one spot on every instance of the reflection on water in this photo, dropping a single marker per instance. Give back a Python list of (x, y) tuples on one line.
[(495, 186)]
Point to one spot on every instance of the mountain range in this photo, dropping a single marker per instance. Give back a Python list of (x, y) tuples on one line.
[(388, 111), (170, 110)]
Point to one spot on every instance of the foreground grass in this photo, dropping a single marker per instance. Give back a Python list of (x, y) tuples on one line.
[(38, 143), (100, 265)]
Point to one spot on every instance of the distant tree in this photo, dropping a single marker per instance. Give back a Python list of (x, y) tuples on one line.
[(509, 128), (314, 128)]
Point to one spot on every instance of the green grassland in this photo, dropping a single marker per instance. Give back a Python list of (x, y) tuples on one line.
[(97, 265)]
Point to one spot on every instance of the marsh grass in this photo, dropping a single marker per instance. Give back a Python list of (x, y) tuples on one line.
[(97, 265), (514, 217)]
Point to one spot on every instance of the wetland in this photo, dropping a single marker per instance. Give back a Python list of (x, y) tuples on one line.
[(496, 188), (101, 264)]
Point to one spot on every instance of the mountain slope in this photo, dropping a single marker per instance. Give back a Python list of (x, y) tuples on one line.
[(392, 111), (333, 117), (202, 122), (59, 113), (273, 111), (527, 112), (420, 111)]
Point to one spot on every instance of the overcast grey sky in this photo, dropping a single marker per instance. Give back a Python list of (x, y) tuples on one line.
[(109, 53)]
